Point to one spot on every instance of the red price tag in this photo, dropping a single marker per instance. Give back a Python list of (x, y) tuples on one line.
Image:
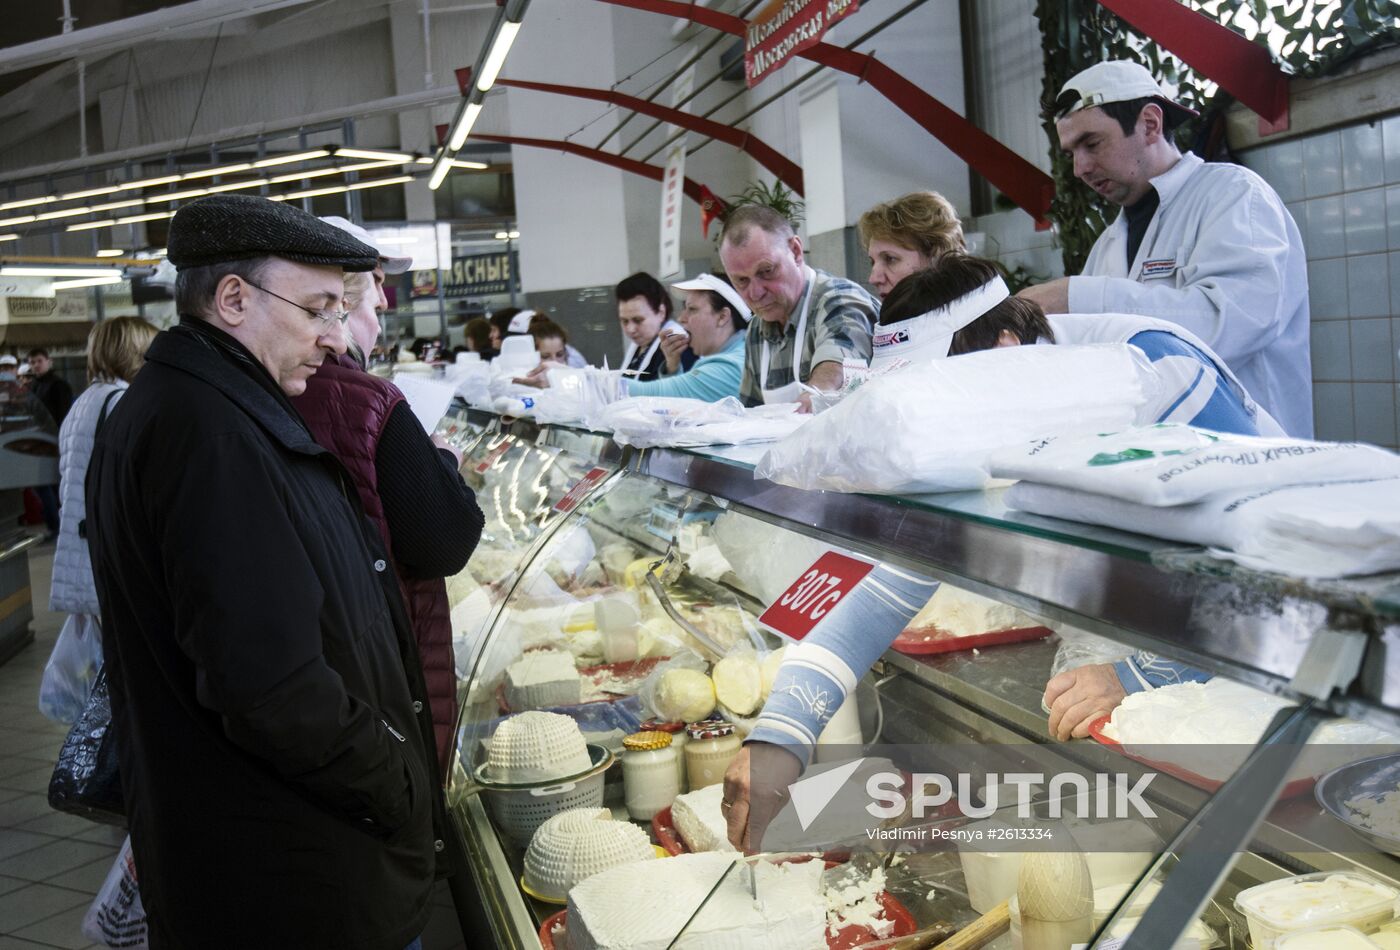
[(581, 488), (493, 456), (815, 594)]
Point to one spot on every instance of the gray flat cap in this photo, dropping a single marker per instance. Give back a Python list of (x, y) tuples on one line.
[(222, 228)]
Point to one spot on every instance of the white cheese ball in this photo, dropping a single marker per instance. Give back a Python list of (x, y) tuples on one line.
[(739, 683), (684, 696)]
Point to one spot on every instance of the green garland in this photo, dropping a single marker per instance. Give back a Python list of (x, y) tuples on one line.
[(1077, 33)]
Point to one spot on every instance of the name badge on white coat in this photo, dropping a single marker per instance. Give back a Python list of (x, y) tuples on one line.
[(1158, 269)]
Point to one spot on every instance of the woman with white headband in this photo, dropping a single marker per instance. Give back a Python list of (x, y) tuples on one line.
[(716, 319)]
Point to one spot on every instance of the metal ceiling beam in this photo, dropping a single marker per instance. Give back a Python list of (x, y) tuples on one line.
[(1018, 179), (121, 34), (788, 171)]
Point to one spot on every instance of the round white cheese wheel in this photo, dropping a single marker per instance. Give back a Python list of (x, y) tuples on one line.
[(684, 696)]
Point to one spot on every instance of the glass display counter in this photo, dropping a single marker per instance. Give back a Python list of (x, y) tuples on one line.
[(612, 611)]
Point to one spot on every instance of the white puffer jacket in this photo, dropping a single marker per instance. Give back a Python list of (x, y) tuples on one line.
[(73, 590)]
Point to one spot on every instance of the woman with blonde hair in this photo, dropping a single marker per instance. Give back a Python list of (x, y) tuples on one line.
[(116, 351), (908, 234)]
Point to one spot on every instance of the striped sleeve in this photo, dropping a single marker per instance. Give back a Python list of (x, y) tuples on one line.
[(820, 672)]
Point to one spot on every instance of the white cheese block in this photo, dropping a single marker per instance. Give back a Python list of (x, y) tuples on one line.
[(960, 613), (739, 682), (542, 678), (644, 906), (699, 819)]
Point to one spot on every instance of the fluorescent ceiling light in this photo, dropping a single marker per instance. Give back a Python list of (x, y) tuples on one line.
[(27, 202), (58, 272), (92, 192), (336, 170), (9, 237), (457, 163), (397, 158), (464, 127), (236, 186), (87, 282), (294, 157), (133, 219), (89, 225), (444, 165), (317, 192), (151, 182), (216, 170), (110, 252), (74, 212), (22, 219), (179, 195), (507, 235), (505, 36)]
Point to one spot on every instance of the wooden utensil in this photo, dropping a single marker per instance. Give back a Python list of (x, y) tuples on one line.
[(981, 931)]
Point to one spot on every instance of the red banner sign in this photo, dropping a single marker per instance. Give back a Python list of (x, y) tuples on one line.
[(785, 28), (814, 594), (581, 488), (494, 456)]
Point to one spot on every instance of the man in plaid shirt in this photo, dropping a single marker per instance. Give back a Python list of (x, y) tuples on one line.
[(810, 322)]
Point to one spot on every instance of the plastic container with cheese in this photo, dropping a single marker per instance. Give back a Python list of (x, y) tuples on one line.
[(1328, 938), (1315, 901)]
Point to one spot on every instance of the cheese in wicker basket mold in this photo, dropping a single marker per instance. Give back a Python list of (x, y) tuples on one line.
[(1056, 898)]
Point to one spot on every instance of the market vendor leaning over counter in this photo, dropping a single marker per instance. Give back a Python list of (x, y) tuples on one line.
[(963, 306), (908, 234), (1207, 246), (810, 323), (717, 319)]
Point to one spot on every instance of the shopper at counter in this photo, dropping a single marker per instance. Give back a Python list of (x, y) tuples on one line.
[(645, 311), (479, 335), (552, 343), (427, 517), (811, 322), (716, 319), (908, 234), (1209, 247), (279, 790)]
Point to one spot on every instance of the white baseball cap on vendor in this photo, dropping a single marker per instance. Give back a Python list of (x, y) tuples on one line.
[(1117, 80), (391, 264), (741, 311), (929, 336)]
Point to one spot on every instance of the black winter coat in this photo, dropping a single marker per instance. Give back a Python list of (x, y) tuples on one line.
[(279, 790)]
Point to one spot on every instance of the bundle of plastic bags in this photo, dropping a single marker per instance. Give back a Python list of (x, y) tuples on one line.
[(578, 396), (646, 421), (1310, 509), (933, 425)]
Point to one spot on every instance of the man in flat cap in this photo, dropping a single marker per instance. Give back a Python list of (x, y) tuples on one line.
[(267, 700), (1208, 246)]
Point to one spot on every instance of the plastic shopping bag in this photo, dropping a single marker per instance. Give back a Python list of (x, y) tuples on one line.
[(116, 917), (932, 426), (1178, 464), (72, 667), (645, 421)]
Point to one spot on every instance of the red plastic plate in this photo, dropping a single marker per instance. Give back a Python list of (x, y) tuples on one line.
[(926, 641), (1295, 788)]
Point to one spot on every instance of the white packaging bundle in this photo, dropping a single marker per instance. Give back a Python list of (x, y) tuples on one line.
[(1177, 464), (1337, 529), (933, 425), (645, 421), (578, 396)]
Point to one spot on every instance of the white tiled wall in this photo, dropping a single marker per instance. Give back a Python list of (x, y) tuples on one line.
[(1343, 189)]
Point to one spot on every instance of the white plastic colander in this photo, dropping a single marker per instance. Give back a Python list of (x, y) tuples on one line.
[(520, 809), (577, 844)]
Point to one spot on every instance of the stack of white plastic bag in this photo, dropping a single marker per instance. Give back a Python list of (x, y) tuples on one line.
[(471, 377), (646, 421), (578, 396), (932, 426), (1311, 509), (517, 358)]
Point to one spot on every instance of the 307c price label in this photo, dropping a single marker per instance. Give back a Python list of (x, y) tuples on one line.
[(581, 488), (814, 594)]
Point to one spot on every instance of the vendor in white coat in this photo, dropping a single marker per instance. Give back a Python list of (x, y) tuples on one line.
[(1208, 247), (810, 325)]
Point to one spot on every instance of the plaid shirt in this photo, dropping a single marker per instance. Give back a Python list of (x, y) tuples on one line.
[(838, 329)]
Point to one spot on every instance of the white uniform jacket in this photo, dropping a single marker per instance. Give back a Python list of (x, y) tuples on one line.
[(1222, 258)]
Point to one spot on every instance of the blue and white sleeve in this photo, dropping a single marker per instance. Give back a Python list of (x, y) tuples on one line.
[(820, 672), (1143, 671)]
